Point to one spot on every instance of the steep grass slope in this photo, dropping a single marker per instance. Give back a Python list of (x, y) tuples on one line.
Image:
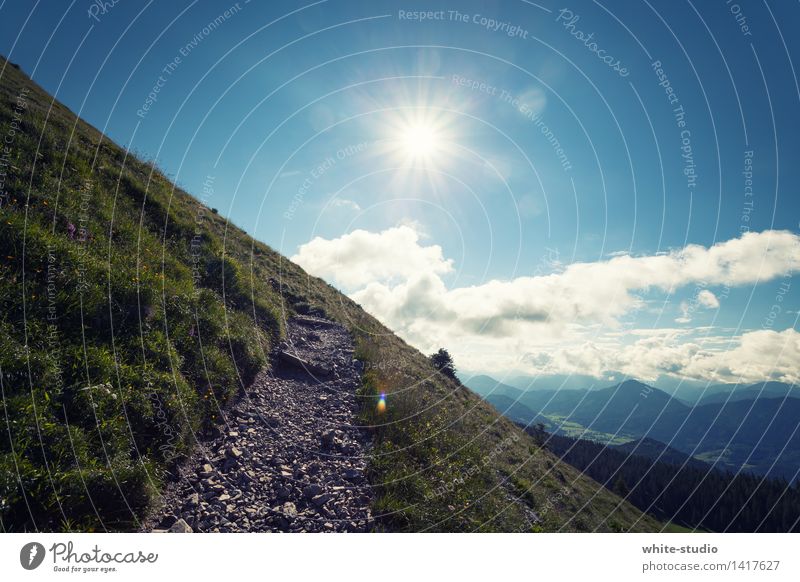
[(131, 314)]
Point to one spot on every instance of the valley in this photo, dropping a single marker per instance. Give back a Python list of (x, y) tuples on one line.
[(755, 428)]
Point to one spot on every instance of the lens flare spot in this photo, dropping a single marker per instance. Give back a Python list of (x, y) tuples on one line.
[(382, 403)]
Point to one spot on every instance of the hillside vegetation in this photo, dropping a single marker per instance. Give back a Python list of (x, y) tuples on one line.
[(131, 314), (684, 491)]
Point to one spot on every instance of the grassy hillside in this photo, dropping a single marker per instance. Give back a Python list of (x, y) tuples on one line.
[(131, 314)]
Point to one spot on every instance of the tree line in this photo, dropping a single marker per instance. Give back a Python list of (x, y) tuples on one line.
[(693, 496)]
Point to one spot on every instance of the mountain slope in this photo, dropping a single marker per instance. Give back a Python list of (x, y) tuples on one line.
[(133, 315), (757, 435), (658, 451), (754, 392), (693, 494), (629, 408), (513, 409), (734, 430), (486, 385)]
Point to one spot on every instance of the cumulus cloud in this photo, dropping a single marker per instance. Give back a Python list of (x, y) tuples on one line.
[(760, 355), (707, 299), (563, 317), (361, 257), (752, 357), (704, 299)]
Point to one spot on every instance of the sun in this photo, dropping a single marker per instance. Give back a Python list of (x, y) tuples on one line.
[(420, 141)]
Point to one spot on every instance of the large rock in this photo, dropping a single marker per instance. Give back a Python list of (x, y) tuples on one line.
[(321, 500), (352, 475), (180, 526), (289, 510), (327, 438), (314, 322), (311, 491), (298, 362)]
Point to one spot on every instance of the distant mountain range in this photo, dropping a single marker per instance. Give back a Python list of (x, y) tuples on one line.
[(734, 392), (754, 428), (551, 382), (690, 393)]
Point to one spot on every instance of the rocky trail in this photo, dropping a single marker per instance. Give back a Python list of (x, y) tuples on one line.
[(288, 457)]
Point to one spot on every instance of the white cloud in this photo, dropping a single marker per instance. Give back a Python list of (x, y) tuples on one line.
[(361, 257), (685, 311), (345, 203), (754, 356), (704, 299), (290, 174), (760, 355), (555, 323), (707, 299)]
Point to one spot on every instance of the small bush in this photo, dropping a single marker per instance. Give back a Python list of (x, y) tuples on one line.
[(443, 362)]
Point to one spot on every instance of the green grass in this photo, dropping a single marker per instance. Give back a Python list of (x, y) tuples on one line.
[(578, 431), (437, 435), (120, 343), (104, 378)]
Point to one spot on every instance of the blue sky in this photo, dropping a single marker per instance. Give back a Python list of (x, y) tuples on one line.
[(439, 140)]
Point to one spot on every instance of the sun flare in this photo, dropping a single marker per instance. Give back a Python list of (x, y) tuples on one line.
[(420, 141)]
